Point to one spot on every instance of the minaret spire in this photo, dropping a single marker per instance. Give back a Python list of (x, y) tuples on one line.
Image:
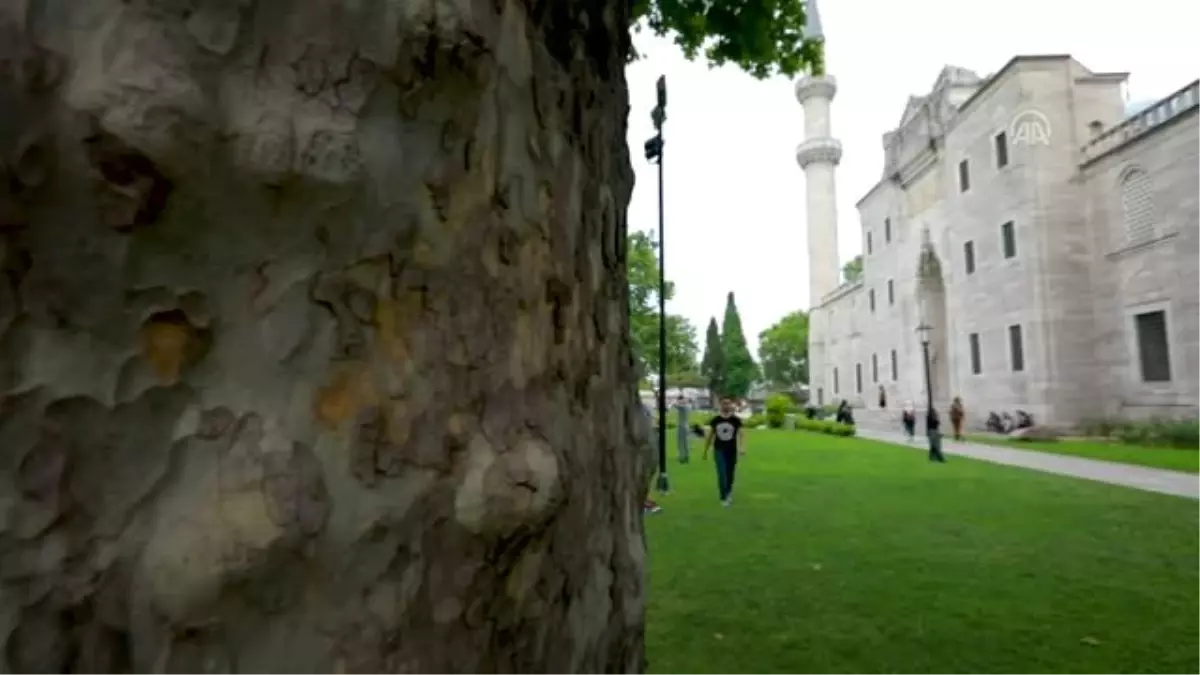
[(818, 156)]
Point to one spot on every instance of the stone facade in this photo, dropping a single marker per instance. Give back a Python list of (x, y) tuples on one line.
[(1029, 223)]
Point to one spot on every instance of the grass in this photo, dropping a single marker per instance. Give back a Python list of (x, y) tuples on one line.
[(845, 555), (1173, 459)]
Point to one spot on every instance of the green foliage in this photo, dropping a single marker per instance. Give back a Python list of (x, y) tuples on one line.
[(1153, 433), (762, 37), (1161, 433), (740, 370), (825, 427), (686, 378), (778, 406), (1100, 427), (852, 270), (783, 351), (712, 366), (755, 421), (682, 347)]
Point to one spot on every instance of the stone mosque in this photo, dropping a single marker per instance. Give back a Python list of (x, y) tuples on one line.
[(1042, 240)]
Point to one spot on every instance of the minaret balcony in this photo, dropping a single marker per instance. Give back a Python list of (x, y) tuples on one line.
[(822, 86), (827, 150)]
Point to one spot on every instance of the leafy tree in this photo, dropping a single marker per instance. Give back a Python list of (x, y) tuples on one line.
[(687, 378), (682, 346), (740, 370), (712, 366), (642, 262), (415, 233), (783, 351), (760, 36), (852, 270)]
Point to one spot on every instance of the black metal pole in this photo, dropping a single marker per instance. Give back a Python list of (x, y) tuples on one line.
[(664, 484), (928, 383)]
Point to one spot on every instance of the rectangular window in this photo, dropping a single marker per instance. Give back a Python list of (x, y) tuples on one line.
[(875, 368), (1001, 142), (858, 378), (895, 367), (835, 381), (869, 247), (969, 256), (1153, 346), (887, 230), (964, 176), (871, 299), (891, 293), (820, 396), (1008, 237), (1016, 349), (976, 365)]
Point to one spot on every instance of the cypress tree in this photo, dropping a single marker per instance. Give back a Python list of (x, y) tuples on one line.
[(740, 371), (712, 366)]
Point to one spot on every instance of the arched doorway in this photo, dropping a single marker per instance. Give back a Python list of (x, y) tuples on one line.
[(931, 308)]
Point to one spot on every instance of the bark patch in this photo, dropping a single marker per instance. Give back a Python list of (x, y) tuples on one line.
[(170, 343)]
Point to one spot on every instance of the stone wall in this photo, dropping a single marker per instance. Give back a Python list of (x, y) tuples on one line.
[(1162, 272)]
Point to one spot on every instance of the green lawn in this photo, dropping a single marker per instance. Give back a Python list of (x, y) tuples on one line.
[(843, 555), (1174, 459)]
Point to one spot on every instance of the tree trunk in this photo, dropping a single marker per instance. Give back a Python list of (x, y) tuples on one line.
[(314, 340)]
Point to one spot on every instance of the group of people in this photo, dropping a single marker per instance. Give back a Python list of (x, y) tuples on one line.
[(725, 436), (958, 414)]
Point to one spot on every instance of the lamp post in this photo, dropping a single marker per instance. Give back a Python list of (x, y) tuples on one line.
[(654, 154), (923, 330), (931, 420)]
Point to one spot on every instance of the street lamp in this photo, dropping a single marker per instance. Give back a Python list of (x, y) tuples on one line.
[(654, 154), (935, 444), (924, 330)]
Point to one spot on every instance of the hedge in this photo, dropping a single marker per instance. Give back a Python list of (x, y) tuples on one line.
[(1163, 433), (825, 427)]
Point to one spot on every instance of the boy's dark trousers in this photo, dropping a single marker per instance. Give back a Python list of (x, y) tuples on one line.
[(935, 446), (726, 465)]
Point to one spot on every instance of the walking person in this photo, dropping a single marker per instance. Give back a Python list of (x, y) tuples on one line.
[(908, 417), (932, 428), (958, 415), (683, 433), (650, 454), (727, 438)]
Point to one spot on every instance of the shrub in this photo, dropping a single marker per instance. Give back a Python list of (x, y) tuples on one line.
[(1161, 433), (777, 410), (1101, 426), (755, 421), (825, 427)]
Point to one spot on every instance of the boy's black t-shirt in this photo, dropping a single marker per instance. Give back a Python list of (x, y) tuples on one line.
[(725, 431)]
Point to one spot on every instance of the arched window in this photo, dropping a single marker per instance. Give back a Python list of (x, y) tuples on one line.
[(1137, 204)]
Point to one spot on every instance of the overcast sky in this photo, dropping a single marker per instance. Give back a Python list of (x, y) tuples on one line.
[(734, 193)]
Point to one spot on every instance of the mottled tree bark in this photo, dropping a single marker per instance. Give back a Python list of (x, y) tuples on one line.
[(313, 337)]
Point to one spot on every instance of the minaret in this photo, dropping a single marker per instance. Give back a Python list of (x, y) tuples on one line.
[(818, 156)]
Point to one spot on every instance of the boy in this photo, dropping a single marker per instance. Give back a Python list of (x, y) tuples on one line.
[(933, 428), (727, 437)]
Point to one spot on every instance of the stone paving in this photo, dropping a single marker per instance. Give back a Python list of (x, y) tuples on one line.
[(1138, 477)]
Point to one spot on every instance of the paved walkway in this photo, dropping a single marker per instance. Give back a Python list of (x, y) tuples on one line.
[(1138, 477)]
